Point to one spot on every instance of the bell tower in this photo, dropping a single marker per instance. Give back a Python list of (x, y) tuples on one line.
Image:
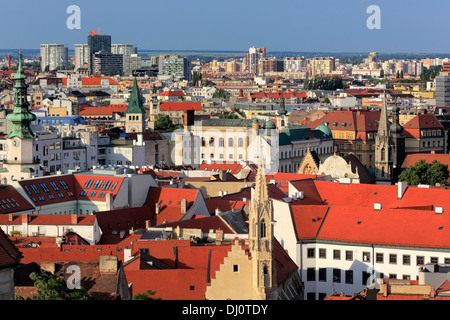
[(384, 147), (261, 237), (135, 114), (20, 159)]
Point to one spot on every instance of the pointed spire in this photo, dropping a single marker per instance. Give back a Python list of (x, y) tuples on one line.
[(383, 123), (21, 117), (135, 103), (261, 195)]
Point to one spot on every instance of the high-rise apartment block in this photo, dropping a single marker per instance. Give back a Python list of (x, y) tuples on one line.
[(176, 66), (443, 89), (322, 66), (122, 48), (252, 57), (294, 64), (82, 55), (54, 56)]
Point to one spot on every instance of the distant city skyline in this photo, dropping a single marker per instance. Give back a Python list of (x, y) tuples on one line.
[(314, 26)]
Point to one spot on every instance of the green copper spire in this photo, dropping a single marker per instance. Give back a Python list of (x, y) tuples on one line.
[(21, 116), (282, 110), (135, 103)]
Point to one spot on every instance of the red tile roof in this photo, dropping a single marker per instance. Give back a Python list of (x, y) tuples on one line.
[(12, 201), (172, 93), (180, 106), (9, 254), (233, 167), (48, 219), (91, 81), (102, 111), (61, 188)]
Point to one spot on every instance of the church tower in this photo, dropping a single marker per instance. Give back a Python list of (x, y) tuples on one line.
[(399, 143), (135, 114), (20, 159), (384, 148), (261, 238)]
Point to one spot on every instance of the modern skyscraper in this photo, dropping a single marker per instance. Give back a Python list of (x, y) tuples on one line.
[(106, 63), (97, 43), (54, 56)]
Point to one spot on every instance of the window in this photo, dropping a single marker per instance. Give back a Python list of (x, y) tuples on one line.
[(323, 274), (106, 185), (420, 260), (379, 258), (54, 186), (88, 183), (311, 253), (337, 275), (35, 189), (349, 255), (365, 277), (114, 186), (230, 142), (240, 142), (337, 254), (434, 260), (97, 184), (323, 253), (393, 258), (311, 274), (406, 259), (235, 268), (349, 276), (392, 276), (44, 186), (366, 256), (221, 142)]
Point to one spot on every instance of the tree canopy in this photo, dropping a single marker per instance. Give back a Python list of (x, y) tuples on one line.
[(163, 122), (425, 173), (50, 287)]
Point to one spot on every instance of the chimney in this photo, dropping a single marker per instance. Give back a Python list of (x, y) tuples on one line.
[(10, 217), (127, 254), (223, 175), (402, 186), (157, 207), (73, 219), (148, 223), (377, 206), (25, 218), (109, 201), (108, 264), (184, 205)]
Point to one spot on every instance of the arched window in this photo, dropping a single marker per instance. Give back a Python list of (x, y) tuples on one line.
[(240, 142), (383, 156), (263, 229), (221, 142), (230, 142)]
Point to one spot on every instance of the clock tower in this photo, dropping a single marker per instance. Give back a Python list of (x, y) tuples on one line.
[(20, 159)]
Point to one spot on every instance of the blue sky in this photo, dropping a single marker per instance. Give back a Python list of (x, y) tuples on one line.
[(235, 25)]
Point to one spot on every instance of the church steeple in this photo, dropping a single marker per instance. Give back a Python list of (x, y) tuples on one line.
[(21, 116), (384, 147), (261, 236), (135, 114)]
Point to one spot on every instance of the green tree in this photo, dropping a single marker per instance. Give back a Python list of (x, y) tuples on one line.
[(425, 173), (227, 116), (381, 73), (220, 93), (163, 122), (145, 296), (196, 78), (50, 287)]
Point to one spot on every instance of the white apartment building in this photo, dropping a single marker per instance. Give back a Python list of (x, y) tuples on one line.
[(344, 245), (294, 64), (82, 55), (54, 56)]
